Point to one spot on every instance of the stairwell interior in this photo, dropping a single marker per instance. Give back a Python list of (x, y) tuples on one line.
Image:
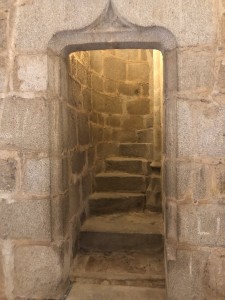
[(113, 120)]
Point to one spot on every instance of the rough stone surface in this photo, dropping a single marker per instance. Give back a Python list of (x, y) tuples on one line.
[(25, 220), (107, 203), (214, 275), (190, 266), (200, 129), (19, 130), (59, 15), (201, 224), (195, 70), (37, 176), (2, 278), (158, 13), (7, 174), (119, 182), (31, 73), (102, 292), (37, 271), (125, 231), (3, 67)]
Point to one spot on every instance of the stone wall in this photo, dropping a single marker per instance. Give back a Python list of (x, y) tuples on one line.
[(122, 96), (33, 36)]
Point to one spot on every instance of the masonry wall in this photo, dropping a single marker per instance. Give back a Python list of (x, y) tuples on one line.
[(123, 102), (30, 101)]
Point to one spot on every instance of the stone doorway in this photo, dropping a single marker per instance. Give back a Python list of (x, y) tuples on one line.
[(113, 114), (67, 225)]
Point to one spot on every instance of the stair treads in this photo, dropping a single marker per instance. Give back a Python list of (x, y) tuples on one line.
[(124, 268), (133, 222), (119, 182), (82, 291), (128, 165)]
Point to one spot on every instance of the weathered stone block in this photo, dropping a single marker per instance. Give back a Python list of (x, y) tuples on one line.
[(2, 278), (195, 70), (184, 180), (221, 79), (72, 128), (87, 104), (91, 156), (38, 271), (136, 150), (222, 30), (83, 129), (25, 220), (129, 89), (7, 174), (31, 73), (96, 82), (3, 73), (113, 105), (37, 176), (167, 15), (20, 130), (86, 186), (65, 173), (186, 275), (110, 86), (107, 149), (75, 198), (138, 107), (145, 136), (123, 136), (82, 75), (214, 275), (148, 121), (98, 102), (78, 161), (96, 61), (97, 133), (219, 179), (139, 72), (200, 129), (113, 121), (135, 166), (76, 96), (201, 224), (133, 123), (112, 182), (60, 18), (3, 28), (114, 68)]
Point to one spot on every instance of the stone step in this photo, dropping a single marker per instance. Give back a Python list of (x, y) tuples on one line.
[(123, 231), (119, 182), (82, 291), (120, 267), (128, 165), (136, 150), (108, 203)]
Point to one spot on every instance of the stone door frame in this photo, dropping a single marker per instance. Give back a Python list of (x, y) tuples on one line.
[(110, 32)]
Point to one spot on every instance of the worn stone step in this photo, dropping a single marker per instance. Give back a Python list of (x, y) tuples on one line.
[(82, 291), (120, 267), (119, 182), (142, 150), (123, 231), (128, 165), (108, 203)]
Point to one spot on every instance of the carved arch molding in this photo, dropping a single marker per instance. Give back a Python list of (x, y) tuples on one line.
[(112, 30)]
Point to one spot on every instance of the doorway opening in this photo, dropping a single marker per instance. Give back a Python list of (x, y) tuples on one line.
[(113, 120)]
